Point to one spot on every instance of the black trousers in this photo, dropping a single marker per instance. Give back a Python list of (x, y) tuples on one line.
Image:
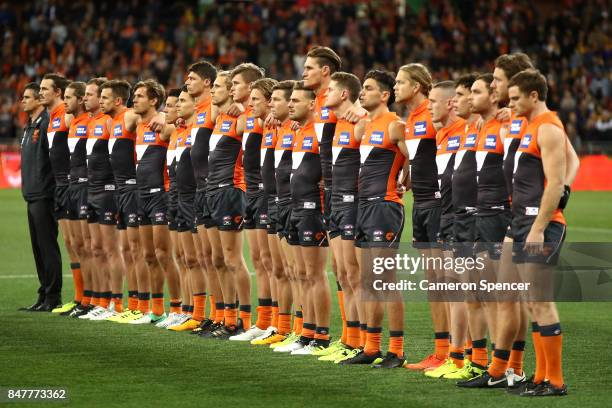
[(43, 234)]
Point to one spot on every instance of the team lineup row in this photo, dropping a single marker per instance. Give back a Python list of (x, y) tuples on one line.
[(160, 198)]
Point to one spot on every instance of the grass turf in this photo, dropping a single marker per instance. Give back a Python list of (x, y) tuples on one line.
[(107, 365)]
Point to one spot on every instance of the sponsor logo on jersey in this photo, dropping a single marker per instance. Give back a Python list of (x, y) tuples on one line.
[(491, 142), (98, 130), (118, 131), (287, 141), (56, 123), (515, 126), (149, 137), (201, 118), (325, 113), (470, 140), (453, 143), (307, 143), (250, 123), (81, 130), (226, 126), (526, 141), (420, 128), (268, 140), (344, 139), (376, 138), (188, 141)]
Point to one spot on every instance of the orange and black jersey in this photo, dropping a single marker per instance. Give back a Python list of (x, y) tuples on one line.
[(251, 159), (185, 179), (268, 176), (225, 157), (99, 171), (518, 125), (381, 161), (77, 144), (203, 128), (57, 136), (464, 187), (529, 179), (283, 161), (151, 172), (449, 141), (122, 146), (421, 143), (171, 160), (325, 127), (306, 193), (346, 164), (492, 191)]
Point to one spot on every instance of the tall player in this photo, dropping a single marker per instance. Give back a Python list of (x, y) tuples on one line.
[(413, 83), (380, 217)]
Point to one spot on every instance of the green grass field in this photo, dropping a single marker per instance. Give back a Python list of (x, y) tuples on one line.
[(108, 365)]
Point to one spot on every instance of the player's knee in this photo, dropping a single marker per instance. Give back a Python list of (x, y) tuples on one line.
[(278, 272), (218, 262), (149, 257), (190, 261)]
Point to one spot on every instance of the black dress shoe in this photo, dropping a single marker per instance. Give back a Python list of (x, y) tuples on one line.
[(32, 307), (47, 307)]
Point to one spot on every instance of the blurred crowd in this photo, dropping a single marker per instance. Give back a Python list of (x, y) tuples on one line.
[(569, 41)]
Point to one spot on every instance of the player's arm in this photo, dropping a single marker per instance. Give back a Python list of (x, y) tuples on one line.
[(241, 124), (214, 113), (551, 141), (397, 131), (109, 126), (355, 113), (68, 119), (572, 166), (359, 130), (236, 109), (166, 133), (158, 121), (131, 120)]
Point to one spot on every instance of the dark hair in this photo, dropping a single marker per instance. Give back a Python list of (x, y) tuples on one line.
[(286, 87), (249, 71), (265, 86), (154, 91), (487, 78), (385, 80), (467, 80), (33, 86), (530, 80), (325, 56), (59, 82), (204, 70), (175, 92), (299, 86), (512, 64), (349, 82), (98, 82), (78, 87), (120, 88)]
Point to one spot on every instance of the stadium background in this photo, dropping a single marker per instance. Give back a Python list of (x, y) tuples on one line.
[(105, 365)]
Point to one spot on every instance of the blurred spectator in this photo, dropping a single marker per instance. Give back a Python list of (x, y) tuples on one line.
[(569, 43)]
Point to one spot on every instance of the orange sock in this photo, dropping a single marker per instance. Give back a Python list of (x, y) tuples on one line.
[(104, 302), (540, 368), (322, 333), (552, 343), (396, 343), (95, 299), (499, 363), (516, 357), (373, 340), (77, 277), (264, 314), (158, 304), (245, 315), (274, 322), (456, 354), (352, 334), (340, 294), (480, 355), (143, 302), (213, 308), (230, 315), (118, 301), (86, 297), (441, 345), (284, 323), (219, 314), (298, 323), (363, 334), (468, 349), (308, 330), (132, 300), (175, 305), (199, 306)]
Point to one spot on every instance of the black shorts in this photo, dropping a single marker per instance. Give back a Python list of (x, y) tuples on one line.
[(306, 229), (202, 212), (227, 208), (102, 208), (342, 223), (185, 215), (272, 216), (127, 209), (446, 236), (172, 208), (490, 232), (256, 211), (62, 202), (284, 216), (425, 227), (327, 206), (554, 235), (464, 234), (379, 224), (77, 201), (152, 208)]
